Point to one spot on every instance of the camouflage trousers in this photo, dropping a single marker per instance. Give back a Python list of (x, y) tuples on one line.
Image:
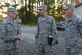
[(10, 49), (73, 51), (44, 49)]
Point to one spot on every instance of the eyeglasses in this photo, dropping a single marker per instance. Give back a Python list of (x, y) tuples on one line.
[(14, 13), (65, 9), (40, 9)]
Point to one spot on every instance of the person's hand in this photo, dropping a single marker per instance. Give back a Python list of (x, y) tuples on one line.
[(18, 37), (36, 42), (54, 42)]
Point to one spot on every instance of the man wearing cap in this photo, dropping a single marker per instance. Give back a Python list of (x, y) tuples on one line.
[(10, 33), (46, 29), (73, 31)]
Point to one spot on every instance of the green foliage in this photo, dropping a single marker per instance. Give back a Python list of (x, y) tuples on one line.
[(27, 17), (28, 13)]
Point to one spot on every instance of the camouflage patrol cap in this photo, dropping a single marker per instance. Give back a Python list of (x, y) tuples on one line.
[(69, 6), (42, 7), (13, 10)]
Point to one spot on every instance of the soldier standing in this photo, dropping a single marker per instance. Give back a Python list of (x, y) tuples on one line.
[(18, 22), (73, 31), (46, 30), (10, 33)]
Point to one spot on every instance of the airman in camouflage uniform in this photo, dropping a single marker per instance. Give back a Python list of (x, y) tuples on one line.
[(18, 22), (46, 27), (10, 33), (73, 30)]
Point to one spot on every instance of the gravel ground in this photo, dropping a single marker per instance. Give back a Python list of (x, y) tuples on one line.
[(27, 46)]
